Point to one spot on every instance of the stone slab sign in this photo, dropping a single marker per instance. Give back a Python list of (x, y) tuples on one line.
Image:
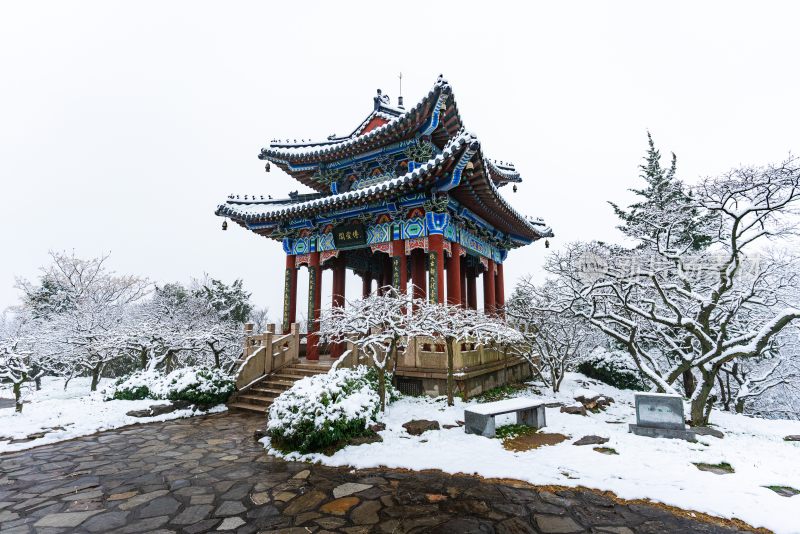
[(660, 415)]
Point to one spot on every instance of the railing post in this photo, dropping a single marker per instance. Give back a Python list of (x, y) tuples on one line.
[(248, 331), (294, 330), (267, 337)]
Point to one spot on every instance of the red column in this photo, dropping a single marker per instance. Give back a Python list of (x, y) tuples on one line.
[(289, 294), (454, 275), (463, 266), (339, 272), (386, 274), (499, 290), (436, 268), (472, 289), (399, 269), (488, 289), (366, 284), (314, 304), (418, 269)]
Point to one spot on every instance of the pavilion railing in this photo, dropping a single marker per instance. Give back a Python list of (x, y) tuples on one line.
[(265, 353), (428, 353)]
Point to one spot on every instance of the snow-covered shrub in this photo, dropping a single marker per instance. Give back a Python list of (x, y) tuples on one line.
[(199, 385), (139, 385), (323, 410), (613, 367)]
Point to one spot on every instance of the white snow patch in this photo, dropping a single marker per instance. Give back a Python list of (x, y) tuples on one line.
[(658, 469), (75, 410)]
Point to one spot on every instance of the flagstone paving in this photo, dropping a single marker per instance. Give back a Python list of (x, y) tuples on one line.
[(208, 474)]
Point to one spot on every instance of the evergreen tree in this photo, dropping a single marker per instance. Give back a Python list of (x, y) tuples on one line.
[(665, 215), (231, 302), (666, 219)]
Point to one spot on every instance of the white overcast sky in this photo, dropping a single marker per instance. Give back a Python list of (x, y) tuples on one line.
[(122, 125)]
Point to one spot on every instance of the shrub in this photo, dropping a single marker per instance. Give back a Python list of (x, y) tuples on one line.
[(323, 411), (199, 386), (134, 393), (614, 368), (137, 386), (196, 385)]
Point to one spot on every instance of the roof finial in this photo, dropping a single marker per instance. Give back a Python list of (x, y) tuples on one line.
[(400, 94)]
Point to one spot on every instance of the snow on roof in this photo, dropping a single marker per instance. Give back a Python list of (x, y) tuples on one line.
[(277, 151), (252, 210), (255, 209), (504, 169)]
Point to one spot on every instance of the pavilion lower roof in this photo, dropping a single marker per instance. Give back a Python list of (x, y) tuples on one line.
[(476, 191)]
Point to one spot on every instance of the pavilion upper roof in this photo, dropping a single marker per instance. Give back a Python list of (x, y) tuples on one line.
[(435, 115)]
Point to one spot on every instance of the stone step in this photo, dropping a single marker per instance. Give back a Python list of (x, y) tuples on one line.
[(302, 372), (282, 385), (264, 391), (287, 376), (254, 408), (316, 367), (255, 399)]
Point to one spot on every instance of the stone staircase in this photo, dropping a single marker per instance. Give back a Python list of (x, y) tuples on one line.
[(258, 397)]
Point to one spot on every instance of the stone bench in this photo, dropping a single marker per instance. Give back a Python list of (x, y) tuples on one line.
[(480, 419)]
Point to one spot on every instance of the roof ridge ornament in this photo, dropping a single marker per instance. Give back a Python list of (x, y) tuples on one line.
[(400, 93), (380, 99)]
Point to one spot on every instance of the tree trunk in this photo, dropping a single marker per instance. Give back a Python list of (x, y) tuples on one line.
[(739, 407), (450, 381), (726, 400), (143, 359), (35, 371), (558, 378), (168, 362), (689, 383), (699, 415), (381, 387), (96, 376), (17, 397)]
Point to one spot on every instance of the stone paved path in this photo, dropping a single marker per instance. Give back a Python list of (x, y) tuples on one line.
[(207, 474)]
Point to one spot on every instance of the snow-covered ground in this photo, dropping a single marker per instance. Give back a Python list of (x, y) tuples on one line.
[(66, 414), (658, 469)]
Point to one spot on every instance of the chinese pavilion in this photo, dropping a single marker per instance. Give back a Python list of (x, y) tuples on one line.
[(407, 197)]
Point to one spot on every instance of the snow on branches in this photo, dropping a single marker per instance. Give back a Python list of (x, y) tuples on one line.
[(88, 319), (379, 324), (684, 311), (555, 339)]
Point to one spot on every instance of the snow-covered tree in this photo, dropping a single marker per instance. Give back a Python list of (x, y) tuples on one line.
[(676, 308), (379, 323), (376, 325), (79, 306), (179, 326), (555, 340), (231, 302), (18, 364), (664, 208), (460, 325)]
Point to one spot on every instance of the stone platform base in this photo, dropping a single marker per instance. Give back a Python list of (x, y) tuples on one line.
[(671, 433), (469, 382)]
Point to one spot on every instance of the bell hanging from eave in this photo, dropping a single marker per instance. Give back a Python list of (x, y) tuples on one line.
[(266, 167), (546, 243), (224, 225), (514, 188)]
